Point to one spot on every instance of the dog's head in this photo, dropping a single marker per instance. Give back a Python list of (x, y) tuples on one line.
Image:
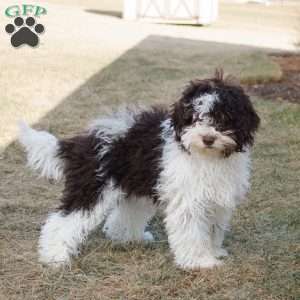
[(214, 116)]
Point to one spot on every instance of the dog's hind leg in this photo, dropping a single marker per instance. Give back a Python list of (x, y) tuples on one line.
[(63, 233), (127, 221), (87, 198)]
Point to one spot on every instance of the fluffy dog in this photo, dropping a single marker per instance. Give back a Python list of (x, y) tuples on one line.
[(191, 161)]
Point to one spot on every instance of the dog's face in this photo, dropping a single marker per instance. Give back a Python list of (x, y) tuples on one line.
[(215, 118)]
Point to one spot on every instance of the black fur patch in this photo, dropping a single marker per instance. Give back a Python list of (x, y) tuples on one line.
[(82, 186), (133, 161)]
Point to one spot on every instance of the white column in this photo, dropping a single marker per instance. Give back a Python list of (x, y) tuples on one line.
[(130, 9), (208, 11), (215, 10)]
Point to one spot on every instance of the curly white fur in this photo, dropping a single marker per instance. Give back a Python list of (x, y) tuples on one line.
[(127, 221), (41, 148), (62, 235), (200, 194)]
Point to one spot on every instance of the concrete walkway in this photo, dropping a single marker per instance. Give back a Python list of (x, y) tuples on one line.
[(276, 26)]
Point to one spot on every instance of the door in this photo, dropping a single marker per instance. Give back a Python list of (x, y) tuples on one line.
[(173, 9)]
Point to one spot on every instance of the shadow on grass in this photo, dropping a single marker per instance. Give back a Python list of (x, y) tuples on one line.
[(155, 71)]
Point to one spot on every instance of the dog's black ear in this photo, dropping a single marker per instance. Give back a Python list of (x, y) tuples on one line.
[(181, 115), (248, 128), (251, 123), (177, 118), (182, 110), (247, 120)]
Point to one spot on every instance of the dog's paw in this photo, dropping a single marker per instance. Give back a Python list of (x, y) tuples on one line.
[(209, 262), (54, 257), (221, 252), (54, 252), (203, 262), (55, 263)]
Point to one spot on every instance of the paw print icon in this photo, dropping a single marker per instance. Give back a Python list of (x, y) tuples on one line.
[(24, 32)]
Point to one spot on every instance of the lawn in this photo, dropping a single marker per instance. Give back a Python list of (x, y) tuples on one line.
[(264, 241)]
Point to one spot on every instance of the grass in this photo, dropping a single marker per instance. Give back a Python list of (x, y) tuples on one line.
[(264, 241)]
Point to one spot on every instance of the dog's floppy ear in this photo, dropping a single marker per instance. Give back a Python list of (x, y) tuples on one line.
[(181, 115), (177, 118), (250, 124), (182, 110)]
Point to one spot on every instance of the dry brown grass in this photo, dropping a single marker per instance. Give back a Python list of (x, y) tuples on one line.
[(264, 242)]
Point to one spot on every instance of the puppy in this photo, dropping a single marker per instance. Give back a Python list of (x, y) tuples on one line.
[(191, 161)]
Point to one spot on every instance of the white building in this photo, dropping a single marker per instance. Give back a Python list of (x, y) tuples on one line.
[(191, 11)]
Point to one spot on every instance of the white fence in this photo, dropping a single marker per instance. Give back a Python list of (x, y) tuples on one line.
[(198, 11)]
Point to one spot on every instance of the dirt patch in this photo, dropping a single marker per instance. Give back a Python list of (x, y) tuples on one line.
[(288, 87)]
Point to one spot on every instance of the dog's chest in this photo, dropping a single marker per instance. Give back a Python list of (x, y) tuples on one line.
[(204, 179)]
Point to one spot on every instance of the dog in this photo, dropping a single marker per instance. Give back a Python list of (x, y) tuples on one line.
[(190, 160)]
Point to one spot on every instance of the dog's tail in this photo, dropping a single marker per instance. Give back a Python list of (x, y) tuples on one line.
[(42, 151)]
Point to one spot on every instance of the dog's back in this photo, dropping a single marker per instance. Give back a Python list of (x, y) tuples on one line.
[(124, 148)]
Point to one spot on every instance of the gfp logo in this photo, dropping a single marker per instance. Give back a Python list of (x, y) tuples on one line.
[(25, 30)]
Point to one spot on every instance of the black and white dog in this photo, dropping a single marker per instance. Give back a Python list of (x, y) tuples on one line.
[(191, 161)]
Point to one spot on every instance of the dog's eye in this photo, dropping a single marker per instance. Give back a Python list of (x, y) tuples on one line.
[(228, 132)]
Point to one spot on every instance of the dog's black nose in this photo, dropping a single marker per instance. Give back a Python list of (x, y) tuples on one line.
[(208, 140)]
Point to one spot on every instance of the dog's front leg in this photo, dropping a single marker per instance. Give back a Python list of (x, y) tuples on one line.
[(190, 237), (222, 224)]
